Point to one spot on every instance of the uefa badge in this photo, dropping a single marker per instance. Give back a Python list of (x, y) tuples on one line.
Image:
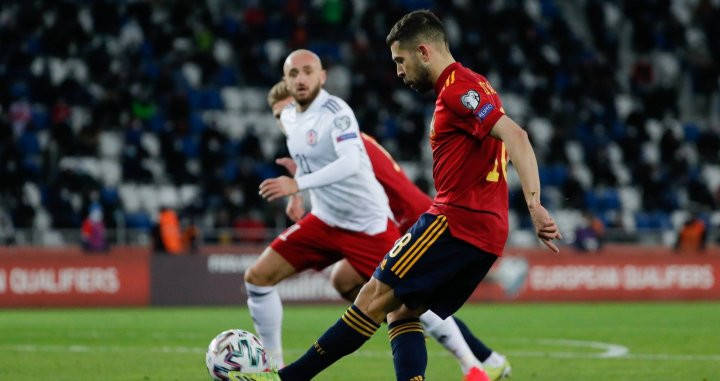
[(311, 137), (470, 100)]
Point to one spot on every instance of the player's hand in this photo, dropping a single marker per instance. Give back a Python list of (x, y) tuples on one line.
[(545, 226), (273, 189), (295, 210), (288, 163)]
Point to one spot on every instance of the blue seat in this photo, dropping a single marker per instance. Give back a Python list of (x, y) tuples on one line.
[(691, 132), (190, 147), (230, 171), (211, 100), (194, 98), (553, 175), (326, 49), (610, 199), (591, 201), (138, 220), (266, 171), (28, 143), (156, 123), (40, 118), (196, 123), (652, 220), (226, 76), (109, 196)]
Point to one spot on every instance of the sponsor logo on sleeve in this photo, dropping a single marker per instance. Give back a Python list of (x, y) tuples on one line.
[(470, 100), (349, 135), (484, 111), (342, 122)]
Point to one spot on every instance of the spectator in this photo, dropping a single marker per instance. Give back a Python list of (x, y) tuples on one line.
[(589, 235), (250, 228), (692, 236), (147, 93), (7, 231), (94, 238), (168, 233), (190, 235)]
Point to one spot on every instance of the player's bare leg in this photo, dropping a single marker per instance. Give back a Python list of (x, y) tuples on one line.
[(376, 300), (264, 302), (346, 280), (269, 269)]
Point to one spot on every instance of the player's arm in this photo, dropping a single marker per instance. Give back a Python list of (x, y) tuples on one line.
[(345, 135), (294, 209), (523, 157), (346, 165), (348, 148)]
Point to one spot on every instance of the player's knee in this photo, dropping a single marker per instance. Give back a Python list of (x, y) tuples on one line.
[(376, 300), (403, 313), (259, 277), (348, 288)]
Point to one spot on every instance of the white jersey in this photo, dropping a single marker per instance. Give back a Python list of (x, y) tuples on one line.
[(325, 142)]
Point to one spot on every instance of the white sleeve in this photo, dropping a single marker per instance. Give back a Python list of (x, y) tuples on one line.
[(345, 135)]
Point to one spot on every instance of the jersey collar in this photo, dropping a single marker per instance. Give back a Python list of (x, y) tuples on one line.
[(440, 84), (318, 101)]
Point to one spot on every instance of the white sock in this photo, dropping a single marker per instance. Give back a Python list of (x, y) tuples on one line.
[(447, 333), (266, 311), (495, 360)]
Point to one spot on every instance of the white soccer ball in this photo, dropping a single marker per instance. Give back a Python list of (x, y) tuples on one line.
[(235, 350)]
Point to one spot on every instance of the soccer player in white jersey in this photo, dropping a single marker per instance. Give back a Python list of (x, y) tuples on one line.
[(350, 217)]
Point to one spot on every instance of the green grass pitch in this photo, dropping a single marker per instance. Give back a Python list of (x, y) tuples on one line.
[(574, 342)]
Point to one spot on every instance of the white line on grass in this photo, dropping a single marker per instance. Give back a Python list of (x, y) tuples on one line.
[(609, 351), (99, 348)]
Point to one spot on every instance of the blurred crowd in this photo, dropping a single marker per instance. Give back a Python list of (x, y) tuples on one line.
[(127, 107)]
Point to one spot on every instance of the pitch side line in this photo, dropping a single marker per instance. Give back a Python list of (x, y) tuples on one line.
[(610, 351)]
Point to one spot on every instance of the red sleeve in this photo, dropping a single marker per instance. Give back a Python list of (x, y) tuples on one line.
[(477, 111)]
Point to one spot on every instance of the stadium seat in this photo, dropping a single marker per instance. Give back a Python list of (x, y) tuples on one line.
[(232, 98), (110, 144), (630, 199), (40, 117), (188, 194), (225, 85), (168, 196), (138, 220), (130, 197), (711, 175), (110, 172), (149, 198), (151, 144)]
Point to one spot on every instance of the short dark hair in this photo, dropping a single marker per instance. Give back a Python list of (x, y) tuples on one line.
[(420, 25)]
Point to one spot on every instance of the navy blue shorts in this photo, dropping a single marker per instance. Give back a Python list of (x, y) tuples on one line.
[(430, 268)]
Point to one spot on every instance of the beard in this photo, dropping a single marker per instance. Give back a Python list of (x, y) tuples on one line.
[(308, 98), (422, 83)]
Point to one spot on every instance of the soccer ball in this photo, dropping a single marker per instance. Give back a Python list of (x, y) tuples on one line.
[(235, 350)]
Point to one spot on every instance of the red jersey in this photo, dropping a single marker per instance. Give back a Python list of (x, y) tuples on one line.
[(407, 201), (469, 166)]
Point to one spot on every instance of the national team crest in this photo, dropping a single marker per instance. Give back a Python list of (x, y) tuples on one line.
[(470, 100), (311, 137)]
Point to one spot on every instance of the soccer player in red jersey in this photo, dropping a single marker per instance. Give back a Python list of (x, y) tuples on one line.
[(438, 263), (407, 203)]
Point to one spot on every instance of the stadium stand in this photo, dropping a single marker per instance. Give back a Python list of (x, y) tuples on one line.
[(137, 105)]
